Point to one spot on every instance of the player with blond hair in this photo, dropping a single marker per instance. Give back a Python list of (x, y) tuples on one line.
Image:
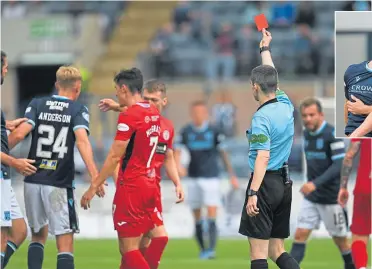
[(56, 123)]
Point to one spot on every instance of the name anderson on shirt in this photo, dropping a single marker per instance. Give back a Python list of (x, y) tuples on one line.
[(54, 117)]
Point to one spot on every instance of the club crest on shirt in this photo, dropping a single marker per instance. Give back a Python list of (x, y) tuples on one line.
[(147, 119), (166, 135)]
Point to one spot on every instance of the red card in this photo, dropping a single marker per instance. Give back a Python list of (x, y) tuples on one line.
[(261, 22)]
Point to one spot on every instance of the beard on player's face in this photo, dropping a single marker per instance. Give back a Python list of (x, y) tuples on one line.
[(313, 124)]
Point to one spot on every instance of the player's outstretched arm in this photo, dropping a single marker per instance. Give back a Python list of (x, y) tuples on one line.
[(19, 134), (364, 128), (109, 104), (172, 172), (117, 151), (23, 166), (265, 42), (12, 124)]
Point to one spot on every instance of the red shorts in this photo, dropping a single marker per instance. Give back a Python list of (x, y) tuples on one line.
[(157, 216), (133, 209), (361, 223)]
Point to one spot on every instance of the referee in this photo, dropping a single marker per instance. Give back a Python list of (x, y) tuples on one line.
[(267, 207)]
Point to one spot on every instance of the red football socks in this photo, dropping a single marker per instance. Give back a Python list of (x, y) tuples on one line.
[(133, 260), (360, 255), (155, 251)]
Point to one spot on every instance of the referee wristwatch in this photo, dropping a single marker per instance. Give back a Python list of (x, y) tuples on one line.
[(252, 192), (264, 48)]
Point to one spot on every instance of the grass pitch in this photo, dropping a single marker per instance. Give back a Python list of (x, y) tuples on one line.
[(180, 254)]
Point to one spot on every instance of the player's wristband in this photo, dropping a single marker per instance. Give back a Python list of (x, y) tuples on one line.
[(264, 48)]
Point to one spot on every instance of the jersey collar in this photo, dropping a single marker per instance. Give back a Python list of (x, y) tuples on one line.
[(271, 101), (367, 67), (60, 97), (201, 128), (321, 128)]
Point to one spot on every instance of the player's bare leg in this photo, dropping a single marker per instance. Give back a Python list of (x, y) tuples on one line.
[(65, 246), (4, 237), (299, 244), (344, 247), (17, 235), (132, 257), (36, 248), (157, 239), (359, 250), (145, 243), (212, 229), (278, 255)]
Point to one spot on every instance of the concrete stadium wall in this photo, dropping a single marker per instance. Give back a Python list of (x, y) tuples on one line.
[(97, 221)]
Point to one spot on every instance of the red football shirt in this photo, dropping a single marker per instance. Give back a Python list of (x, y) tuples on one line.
[(165, 143), (363, 181), (141, 125)]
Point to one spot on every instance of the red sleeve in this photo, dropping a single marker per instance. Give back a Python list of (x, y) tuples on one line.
[(126, 126), (354, 140), (171, 136)]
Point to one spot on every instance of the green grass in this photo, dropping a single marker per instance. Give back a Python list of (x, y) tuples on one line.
[(180, 254)]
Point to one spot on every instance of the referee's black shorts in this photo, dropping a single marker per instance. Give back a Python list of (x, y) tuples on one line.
[(274, 202)]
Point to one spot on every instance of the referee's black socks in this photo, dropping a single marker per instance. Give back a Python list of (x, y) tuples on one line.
[(259, 264), (286, 261)]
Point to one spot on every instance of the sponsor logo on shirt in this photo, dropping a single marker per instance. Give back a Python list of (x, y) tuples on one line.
[(123, 127), (48, 164)]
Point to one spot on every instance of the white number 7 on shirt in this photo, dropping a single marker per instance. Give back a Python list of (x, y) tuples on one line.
[(153, 143)]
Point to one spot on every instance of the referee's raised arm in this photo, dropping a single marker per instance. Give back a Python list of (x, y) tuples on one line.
[(267, 207)]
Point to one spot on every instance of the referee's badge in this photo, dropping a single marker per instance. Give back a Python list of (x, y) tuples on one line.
[(166, 135)]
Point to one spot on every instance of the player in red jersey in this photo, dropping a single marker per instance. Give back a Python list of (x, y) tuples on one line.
[(155, 92), (135, 144), (361, 223)]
